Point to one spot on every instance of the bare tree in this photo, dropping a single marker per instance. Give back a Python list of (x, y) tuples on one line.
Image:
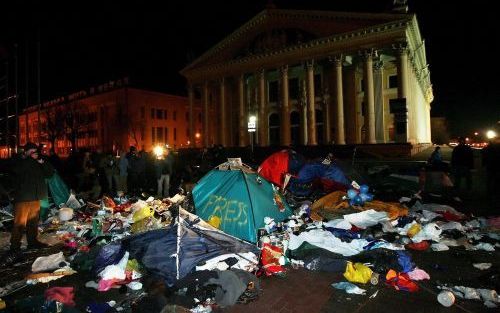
[(76, 120), (134, 130), (55, 124)]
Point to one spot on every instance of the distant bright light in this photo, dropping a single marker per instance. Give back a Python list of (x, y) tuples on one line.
[(189, 142), (158, 151), (467, 139), (490, 134), (252, 119), (476, 133), (197, 135)]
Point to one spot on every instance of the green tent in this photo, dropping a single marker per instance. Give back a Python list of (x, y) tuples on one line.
[(59, 193), (240, 199)]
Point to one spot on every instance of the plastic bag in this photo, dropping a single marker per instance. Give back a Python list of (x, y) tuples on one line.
[(357, 273), (142, 213), (73, 202), (349, 288), (49, 263)]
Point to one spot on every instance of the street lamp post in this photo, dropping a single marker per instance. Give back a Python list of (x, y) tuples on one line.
[(251, 129)]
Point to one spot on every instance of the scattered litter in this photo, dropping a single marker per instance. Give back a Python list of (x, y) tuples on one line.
[(373, 295), (482, 266), (349, 288), (446, 298)]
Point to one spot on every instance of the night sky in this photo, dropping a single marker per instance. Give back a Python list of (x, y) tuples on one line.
[(90, 44)]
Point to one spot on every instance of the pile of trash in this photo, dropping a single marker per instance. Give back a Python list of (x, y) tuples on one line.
[(370, 242), (245, 231), (121, 241)]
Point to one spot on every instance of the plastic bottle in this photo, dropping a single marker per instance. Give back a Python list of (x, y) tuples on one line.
[(446, 298), (374, 279)]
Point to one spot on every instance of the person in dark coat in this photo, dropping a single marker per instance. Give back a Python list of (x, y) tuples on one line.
[(29, 174), (491, 162), (462, 161)]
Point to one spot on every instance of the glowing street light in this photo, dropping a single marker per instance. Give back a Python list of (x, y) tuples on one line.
[(490, 134), (476, 133), (158, 151), (197, 135)]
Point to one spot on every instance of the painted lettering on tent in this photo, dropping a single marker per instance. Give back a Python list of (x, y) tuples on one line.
[(229, 211), (240, 200)]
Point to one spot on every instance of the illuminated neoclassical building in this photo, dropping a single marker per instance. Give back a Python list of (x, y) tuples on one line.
[(315, 77)]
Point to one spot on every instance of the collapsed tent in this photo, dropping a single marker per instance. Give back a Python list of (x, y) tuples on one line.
[(240, 199), (173, 252), (329, 177), (278, 164)]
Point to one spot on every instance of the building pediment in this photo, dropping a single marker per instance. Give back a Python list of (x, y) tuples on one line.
[(275, 30)]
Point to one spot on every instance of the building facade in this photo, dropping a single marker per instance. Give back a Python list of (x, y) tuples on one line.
[(315, 77), (111, 117)]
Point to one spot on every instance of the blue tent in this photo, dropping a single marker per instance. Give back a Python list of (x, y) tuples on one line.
[(326, 174), (240, 199), (173, 252)]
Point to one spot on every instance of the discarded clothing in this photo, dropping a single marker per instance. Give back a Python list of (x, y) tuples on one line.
[(418, 274), (65, 295), (381, 259), (400, 281), (439, 247), (246, 261), (325, 264), (270, 257), (326, 240), (430, 231), (366, 218), (393, 210), (419, 246), (339, 224), (405, 261), (231, 285), (345, 235)]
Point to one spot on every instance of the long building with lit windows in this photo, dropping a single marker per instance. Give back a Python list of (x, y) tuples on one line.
[(111, 117), (316, 77)]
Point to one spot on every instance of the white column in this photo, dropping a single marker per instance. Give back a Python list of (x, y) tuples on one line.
[(369, 98), (402, 118), (242, 112), (339, 103), (223, 124), (262, 122), (285, 109), (379, 101), (206, 114), (192, 139), (311, 107)]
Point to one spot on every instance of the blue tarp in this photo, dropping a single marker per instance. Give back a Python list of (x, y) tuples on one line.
[(240, 200)]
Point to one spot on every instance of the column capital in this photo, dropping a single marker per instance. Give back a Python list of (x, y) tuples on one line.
[(368, 54), (260, 72), (401, 47), (337, 60), (309, 64), (378, 65), (283, 70)]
